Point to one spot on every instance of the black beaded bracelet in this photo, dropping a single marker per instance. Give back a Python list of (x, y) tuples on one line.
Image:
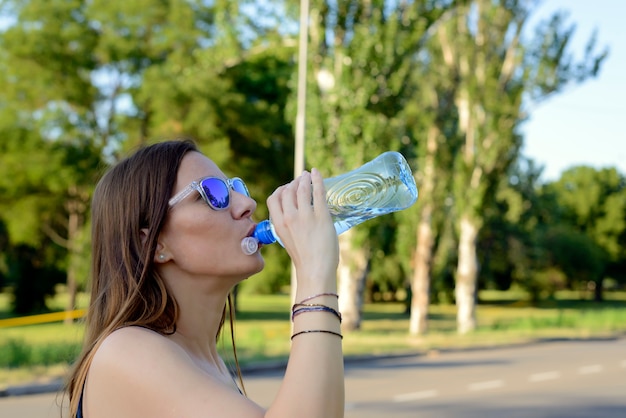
[(316, 330), (314, 308)]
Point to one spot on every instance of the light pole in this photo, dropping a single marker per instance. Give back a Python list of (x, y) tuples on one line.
[(298, 158), (298, 165)]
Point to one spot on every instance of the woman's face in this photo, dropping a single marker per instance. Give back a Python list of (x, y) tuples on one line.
[(202, 241)]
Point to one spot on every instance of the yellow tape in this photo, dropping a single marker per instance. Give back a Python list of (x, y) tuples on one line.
[(42, 319)]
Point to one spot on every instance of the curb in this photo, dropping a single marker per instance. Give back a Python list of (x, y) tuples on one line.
[(32, 389)]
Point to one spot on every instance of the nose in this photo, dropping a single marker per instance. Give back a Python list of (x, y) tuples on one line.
[(242, 206)]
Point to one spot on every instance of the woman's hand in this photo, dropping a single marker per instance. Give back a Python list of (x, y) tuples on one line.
[(301, 218)]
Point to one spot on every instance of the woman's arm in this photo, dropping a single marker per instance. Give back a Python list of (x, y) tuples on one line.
[(314, 381)]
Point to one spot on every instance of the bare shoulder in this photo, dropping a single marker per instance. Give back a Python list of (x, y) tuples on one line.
[(132, 357), (132, 350), (138, 372), (129, 342)]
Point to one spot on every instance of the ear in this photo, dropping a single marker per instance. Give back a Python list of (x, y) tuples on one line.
[(160, 256), (143, 235)]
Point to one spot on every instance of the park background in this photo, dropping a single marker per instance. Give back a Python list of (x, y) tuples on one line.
[(516, 145)]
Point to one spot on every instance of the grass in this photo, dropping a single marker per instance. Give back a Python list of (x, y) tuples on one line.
[(43, 352)]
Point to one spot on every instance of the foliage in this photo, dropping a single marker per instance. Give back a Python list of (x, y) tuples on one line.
[(508, 246), (91, 80), (593, 201), (83, 82), (32, 277), (17, 353), (274, 278), (534, 236), (496, 71)]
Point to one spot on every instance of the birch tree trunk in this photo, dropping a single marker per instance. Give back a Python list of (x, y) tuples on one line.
[(418, 323), (351, 275), (420, 285), (467, 272)]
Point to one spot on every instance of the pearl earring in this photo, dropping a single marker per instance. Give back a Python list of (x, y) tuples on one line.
[(161, 257)]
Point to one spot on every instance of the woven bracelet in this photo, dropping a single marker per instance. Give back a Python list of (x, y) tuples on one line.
[(317, 330), (314, 308), (317, 296)]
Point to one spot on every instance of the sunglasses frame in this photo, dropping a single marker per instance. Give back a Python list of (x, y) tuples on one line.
[(196, 185)]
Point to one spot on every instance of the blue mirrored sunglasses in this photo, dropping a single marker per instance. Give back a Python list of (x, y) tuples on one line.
[(215, 191)]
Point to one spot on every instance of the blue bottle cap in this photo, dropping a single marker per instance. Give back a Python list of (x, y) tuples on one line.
[(263, 232)]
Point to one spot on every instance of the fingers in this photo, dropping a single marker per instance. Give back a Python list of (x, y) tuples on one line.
[(287, 199), (304, 191), (274, 201), (300, 215), (319, 191), (295, 194)]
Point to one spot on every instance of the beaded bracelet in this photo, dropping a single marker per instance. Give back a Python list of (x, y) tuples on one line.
[(314, 308), (317, 296), (316, 330)]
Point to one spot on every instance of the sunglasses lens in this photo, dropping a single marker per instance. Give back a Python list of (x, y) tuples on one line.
[(240, 187), (216, 192)]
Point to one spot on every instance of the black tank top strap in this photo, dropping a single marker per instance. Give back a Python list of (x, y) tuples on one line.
[(79, 413)]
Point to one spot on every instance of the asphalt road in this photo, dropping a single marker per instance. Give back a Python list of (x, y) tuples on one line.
[(572, 379)]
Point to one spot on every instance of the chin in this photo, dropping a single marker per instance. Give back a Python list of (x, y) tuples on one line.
[(258, 265)]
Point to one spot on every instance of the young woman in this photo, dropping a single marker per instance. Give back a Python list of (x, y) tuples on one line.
[(167, 226)]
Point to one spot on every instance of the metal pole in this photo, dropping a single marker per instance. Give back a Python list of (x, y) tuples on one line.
[(298, 165), (298, 160)]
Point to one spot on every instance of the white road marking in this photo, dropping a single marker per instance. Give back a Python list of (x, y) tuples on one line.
[(424, 394), (490, 384), (541, 377), (596, 368)]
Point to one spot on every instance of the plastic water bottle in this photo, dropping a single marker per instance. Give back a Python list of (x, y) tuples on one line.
[(383, 185)]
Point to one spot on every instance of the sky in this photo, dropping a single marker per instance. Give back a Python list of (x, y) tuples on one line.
[(585, 124)]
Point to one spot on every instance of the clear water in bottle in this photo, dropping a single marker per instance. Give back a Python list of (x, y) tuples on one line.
[(383, 185)]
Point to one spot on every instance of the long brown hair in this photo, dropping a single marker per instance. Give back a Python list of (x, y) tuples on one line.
[(125, 287)]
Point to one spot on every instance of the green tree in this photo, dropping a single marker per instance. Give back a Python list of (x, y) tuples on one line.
[(545, 237), (509, 246), (593, 203), (261, 142), (48, 123), (4, 248), (85, 81), (362, 55), (495, 70), (577, 255), (46, 188), (33, 276), (211, 72), (430, 117)]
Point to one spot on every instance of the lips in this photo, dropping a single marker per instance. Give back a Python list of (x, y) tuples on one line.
[(251, 233)]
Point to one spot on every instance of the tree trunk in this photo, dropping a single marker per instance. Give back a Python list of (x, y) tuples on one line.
[(421, 278), (597, 291), (466, 276), (420, 286), (351, 272)]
